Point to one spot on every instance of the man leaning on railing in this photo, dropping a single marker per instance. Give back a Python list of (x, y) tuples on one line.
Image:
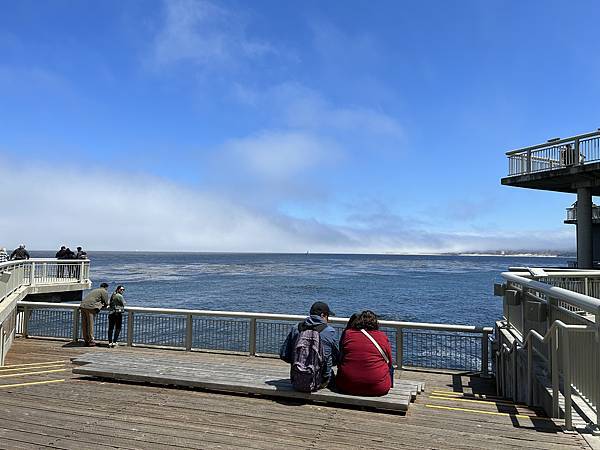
[(90, 307)]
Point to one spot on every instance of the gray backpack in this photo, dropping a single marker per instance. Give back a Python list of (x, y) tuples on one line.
[(308, 360)]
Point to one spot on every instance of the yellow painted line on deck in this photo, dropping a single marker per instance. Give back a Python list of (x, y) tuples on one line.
[(468, 400), (2, 370), (31, 383), (31, 373), (42, 363), (491, 413)]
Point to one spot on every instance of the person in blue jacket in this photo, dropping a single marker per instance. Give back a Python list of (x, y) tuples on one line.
[(319, 314)]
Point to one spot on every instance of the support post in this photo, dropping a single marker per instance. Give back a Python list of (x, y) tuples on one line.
[(75, 324), (484, 354), (555, 387), (252, 337), (530, 371), (584, 228), (567, 379), (81, 274), (528, 161), (399, 347), (189, 322), (32, 274), (25, 331), (129, 328)]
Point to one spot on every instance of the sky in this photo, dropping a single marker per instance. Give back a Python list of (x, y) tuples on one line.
[(270, 126)]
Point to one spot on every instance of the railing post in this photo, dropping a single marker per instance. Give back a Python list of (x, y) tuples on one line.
[(25, 331), (484, 354), (81, 274), (567, 379), (32, 274), (252, 337), (129, 328), (515, 385), (528, 161), (530, 371), (189, 322), (399, 347), (75, 324), (555, 388)]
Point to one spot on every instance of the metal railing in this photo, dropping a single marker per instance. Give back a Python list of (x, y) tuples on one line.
[(555, 154), (40, 271), (553, 317), (572, 213), (413, 344)]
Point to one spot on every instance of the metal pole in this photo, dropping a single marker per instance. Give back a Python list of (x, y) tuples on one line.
[(555, 390), (129, 328), (76, 325), (484, 354), (188, 332), (567, 379), (584, 228), (530, 371), (399, 347), (252, 337), (26, 322), (32, 274)]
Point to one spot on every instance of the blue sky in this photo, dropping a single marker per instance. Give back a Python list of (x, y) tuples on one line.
[(348, 126)]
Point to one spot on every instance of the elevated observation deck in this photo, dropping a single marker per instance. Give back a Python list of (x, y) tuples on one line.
[(561, 165), (21, 278)]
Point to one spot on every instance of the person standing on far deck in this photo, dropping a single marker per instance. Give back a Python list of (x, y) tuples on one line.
[(90, 307), (115, 315), (79, 255), (316, 321), (19, 253), (3, 255), (61, 255)]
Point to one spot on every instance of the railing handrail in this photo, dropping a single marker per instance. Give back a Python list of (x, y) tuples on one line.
[(41, 260), (553, 143), (584, 302), (269, 316)]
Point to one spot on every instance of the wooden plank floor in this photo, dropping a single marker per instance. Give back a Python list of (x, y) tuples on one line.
[(43, 405)]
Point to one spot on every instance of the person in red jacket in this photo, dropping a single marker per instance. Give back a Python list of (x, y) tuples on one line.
[(363, 369)]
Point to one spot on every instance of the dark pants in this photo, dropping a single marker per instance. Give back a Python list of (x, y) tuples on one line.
[(115, 320)]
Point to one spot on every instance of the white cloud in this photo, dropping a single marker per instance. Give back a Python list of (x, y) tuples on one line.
[(200, 32), (110, 210), (298, 106), (278, 155)]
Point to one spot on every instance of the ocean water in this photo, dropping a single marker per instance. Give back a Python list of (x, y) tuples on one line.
[(439, 289)]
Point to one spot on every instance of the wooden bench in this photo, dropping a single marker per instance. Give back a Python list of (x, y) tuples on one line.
[(229, 377)]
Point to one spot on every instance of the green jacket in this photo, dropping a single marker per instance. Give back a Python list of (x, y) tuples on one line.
[(117, 303), (96, 299)]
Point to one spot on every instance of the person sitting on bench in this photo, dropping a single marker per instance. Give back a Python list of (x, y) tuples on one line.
[(311, 349), (365, 366)]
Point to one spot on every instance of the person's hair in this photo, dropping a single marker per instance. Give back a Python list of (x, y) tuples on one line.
[(366, 320), (351, 321), (104, 285), (119, 287), (78, 248)]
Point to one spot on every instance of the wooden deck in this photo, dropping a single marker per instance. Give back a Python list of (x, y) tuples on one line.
[(43, 405)]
